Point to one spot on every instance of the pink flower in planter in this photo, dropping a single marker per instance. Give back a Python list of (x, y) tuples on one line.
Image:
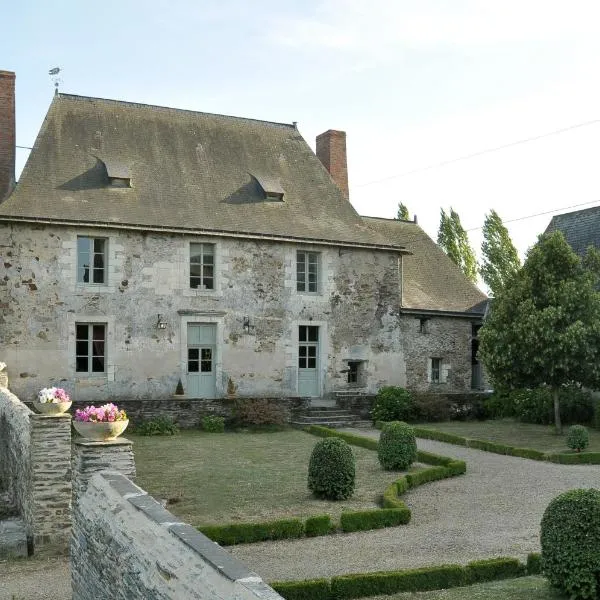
[(101, 414)]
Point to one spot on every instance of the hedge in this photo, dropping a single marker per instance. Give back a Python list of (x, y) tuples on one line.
[(244, 533), (534, 563), (318, 525), (351, 438), (577, 458), (363, 520), (362, 585)]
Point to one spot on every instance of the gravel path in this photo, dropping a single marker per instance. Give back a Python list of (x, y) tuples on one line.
[(35, 579), (494, 509)]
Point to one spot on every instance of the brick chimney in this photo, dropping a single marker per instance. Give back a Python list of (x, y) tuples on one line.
[(331, 151), (7, 133)]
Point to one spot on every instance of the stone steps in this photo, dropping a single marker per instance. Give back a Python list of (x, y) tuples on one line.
[(13, 539), (328, 417)]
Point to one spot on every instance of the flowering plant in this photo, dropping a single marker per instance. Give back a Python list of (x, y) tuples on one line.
[(101, 414), (53, 395)]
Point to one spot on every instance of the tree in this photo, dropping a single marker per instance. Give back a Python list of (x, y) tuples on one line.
[(500, 257), (544, 328), (454, 241), (403, 214)]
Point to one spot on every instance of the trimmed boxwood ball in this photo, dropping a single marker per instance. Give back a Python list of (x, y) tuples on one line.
[(397, 448), (578, 438), (332, 470), (570, 540)]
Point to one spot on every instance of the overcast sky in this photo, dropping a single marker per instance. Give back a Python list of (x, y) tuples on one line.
[(414, 83)]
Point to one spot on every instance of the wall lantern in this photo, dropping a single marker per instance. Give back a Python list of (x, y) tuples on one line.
[(246, 325), (161, 323)]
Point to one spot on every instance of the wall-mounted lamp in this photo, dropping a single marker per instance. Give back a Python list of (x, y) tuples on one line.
[(160, 323), (246, 325)]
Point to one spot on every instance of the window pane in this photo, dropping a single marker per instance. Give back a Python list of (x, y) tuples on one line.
[(208, 259), (98, 275), (81, 331), (206, 354), (81, 348), (302, 350), (81, 364), (196, 253), (98, 364), (302, 333), (302, 362), (193, 353), (99, 245), (312, 363), (312, 351), (193, 366), (206, 366), (312, 286), (313, 334), (208, 283), (194, 282), (208, 271), (98, 332), (195, 270)]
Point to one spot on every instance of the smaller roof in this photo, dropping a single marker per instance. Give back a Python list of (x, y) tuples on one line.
[(581, 228), (270, 185), (430, 280), (116, 169)]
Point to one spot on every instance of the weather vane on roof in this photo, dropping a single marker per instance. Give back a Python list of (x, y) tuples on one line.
[(55, 78)]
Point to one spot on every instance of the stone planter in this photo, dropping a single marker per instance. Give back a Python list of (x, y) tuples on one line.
[(3, 379), (52, 408), (102, 431)]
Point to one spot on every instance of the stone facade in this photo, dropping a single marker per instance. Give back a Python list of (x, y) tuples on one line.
[(148, 275), (126, 546), (35, 472)]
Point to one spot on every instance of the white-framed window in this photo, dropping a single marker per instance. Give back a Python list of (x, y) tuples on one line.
[(307, 271), (202, 266), (92, 263), (90, 348), (436, 370)]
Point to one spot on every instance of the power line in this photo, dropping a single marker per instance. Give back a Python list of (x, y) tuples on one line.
[(481, 152), (25, 147)]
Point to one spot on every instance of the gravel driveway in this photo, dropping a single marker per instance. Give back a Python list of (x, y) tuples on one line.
[(494, 509)]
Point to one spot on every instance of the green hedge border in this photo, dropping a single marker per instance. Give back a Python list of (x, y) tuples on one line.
[(394, 511), (580, 458), (362, 585)]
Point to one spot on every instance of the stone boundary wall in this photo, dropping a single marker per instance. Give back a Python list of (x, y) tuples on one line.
[(126, 546), (188, 412), (35, 473)]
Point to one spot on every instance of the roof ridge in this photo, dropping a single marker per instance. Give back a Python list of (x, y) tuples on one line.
[(411, 221), (79, 97), (574, 212)]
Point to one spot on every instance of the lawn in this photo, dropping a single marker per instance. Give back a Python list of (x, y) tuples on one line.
[(524, 588), (513, 433), (245, 477)]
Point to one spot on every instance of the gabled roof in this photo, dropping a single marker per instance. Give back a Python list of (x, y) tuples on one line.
[(430, 280), (188, 170), (581, 228)]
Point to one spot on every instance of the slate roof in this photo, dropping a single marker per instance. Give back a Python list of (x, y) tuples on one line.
[(431, 281), (189, 170), (581, 228)]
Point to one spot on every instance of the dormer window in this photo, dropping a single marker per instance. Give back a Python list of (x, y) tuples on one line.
[(270, 187), (119, 174)]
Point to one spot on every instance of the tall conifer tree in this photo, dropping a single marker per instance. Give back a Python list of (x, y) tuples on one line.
[(454, 241)]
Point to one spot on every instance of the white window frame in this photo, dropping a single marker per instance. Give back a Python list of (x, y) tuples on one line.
[(90, 348), (202, 287), (78, 266), (318, 262)]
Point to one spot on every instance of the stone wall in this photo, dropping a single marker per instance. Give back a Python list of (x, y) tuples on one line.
[(125, 546), (35, 472)]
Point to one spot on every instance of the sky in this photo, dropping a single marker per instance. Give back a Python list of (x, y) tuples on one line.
[(414, 83)]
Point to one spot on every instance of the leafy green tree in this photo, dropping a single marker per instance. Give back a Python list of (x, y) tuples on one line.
[(402, 212), (544, 328), (500, 257), (454, 241)]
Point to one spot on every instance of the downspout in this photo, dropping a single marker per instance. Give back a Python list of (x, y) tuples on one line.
[(401, 269)]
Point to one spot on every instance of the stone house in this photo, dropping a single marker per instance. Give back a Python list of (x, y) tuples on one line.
[(143, 246), (581, 228)]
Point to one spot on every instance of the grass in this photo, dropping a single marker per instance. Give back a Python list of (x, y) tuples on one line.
[(244, 477), (516, 434), (523, 588)]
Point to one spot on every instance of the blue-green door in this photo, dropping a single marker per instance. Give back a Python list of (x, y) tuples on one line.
[(201, 374), (308, 360)]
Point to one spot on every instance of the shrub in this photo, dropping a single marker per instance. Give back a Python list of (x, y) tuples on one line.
[(161, 425), (397, 448), (596, 417), (318, 525), (213, 424), (332, 470), (534, 563), (570, 540), (393, 404), (494, 568), (578, 438), (431, 407), (362, 520), (257, 412)]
